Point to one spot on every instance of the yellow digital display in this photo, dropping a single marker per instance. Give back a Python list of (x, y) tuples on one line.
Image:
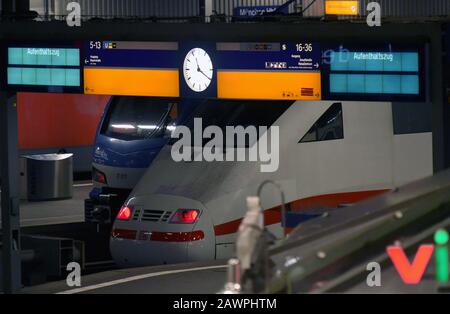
[(131, 68), (233, 70), (269, 85), (131, 82), (337, 7)]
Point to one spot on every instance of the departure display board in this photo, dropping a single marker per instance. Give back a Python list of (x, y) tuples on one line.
[(44, 68), (342, 7), (131, 68), (203, 69), (269, 70), (374, 73), (297, 70)]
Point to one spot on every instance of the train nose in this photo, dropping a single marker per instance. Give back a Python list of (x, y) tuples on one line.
[(165, 230)]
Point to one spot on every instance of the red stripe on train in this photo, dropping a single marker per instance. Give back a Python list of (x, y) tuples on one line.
[(177, 236), (273, 215), (158, 236), (124, 234)]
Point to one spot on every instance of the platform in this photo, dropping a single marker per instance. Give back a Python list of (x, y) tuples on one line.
[(34, 214), (192, 278)]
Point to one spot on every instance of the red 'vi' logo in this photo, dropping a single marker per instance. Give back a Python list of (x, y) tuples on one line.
[(411, 273)]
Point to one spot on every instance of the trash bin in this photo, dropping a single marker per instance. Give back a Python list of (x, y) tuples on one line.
[(49, 176)]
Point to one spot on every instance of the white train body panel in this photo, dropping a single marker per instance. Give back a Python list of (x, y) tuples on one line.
[(368, 160)]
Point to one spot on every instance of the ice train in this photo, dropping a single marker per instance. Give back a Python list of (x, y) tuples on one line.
[(331, 153)]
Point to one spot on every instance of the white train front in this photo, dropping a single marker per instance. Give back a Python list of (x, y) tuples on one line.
[(331, 153)]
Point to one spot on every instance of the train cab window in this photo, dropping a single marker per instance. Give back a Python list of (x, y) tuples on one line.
[(134, 118), (330, 126)]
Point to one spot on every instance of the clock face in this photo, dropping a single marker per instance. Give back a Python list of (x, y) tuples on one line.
[(198, 70)]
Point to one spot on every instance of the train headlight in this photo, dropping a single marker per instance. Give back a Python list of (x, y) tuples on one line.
[(98, 176), (125, 213), (185, 216)]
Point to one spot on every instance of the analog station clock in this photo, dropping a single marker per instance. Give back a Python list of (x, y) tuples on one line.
[(198, 70)]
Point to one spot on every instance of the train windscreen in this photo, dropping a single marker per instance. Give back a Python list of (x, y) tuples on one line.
[(135, 118)]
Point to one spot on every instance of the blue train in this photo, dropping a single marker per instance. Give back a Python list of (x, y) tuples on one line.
[(130, 134)]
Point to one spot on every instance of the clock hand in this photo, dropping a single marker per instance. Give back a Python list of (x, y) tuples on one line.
[(200, 70), (204, 74)]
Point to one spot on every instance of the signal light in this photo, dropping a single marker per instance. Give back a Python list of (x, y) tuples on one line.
[(185, 216), (98, 176), (124, 213)]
